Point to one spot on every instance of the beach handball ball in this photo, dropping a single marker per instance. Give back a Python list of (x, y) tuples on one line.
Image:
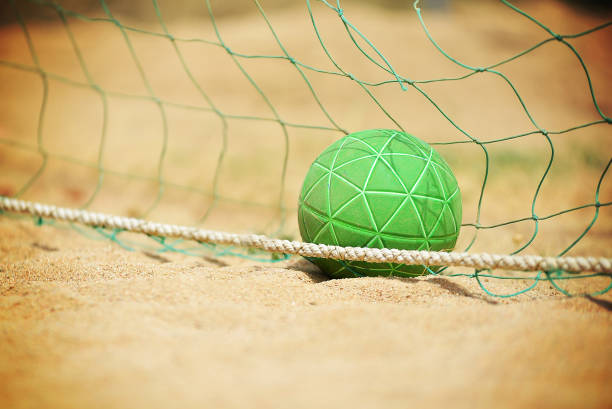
[(379, 188)]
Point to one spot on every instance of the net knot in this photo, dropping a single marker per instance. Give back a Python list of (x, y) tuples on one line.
[(351, 76), (291, 60), (597, 204), (170, 37), (229, 50), (479, 69), (535, 217), (558, 37), (340, 12)]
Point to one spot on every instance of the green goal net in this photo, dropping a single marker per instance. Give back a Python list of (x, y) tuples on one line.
[(210, 116)]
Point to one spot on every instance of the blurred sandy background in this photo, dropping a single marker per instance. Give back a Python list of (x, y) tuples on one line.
[(86, 324)]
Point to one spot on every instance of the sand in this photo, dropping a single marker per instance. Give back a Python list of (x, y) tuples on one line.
[(87, 324)]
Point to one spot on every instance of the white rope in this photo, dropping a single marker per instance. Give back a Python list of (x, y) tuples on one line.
[(416, 257)]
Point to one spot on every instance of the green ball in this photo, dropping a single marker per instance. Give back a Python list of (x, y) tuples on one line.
[(379, 188)]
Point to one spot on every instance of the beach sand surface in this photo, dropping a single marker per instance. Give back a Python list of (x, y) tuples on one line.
[(85, 323)]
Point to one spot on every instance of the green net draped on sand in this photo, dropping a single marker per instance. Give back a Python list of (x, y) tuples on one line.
[(99, 132)]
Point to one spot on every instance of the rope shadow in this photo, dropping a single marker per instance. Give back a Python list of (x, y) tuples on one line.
[(310, 269), (602, 303), (457, 289)]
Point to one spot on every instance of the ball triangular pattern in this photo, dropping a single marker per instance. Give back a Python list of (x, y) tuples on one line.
[(356, 171), (383, 206), (352, 150), (409, 167), (343, 193), (375, 242), (430, 212), (357, 213), (406, 222), (379, 188), (383, 179), (373, 144), (428, 185), (311, 222), (447, 225), (351, 237), (325, 235), (313, 177), (317, 198), (329, 155)]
